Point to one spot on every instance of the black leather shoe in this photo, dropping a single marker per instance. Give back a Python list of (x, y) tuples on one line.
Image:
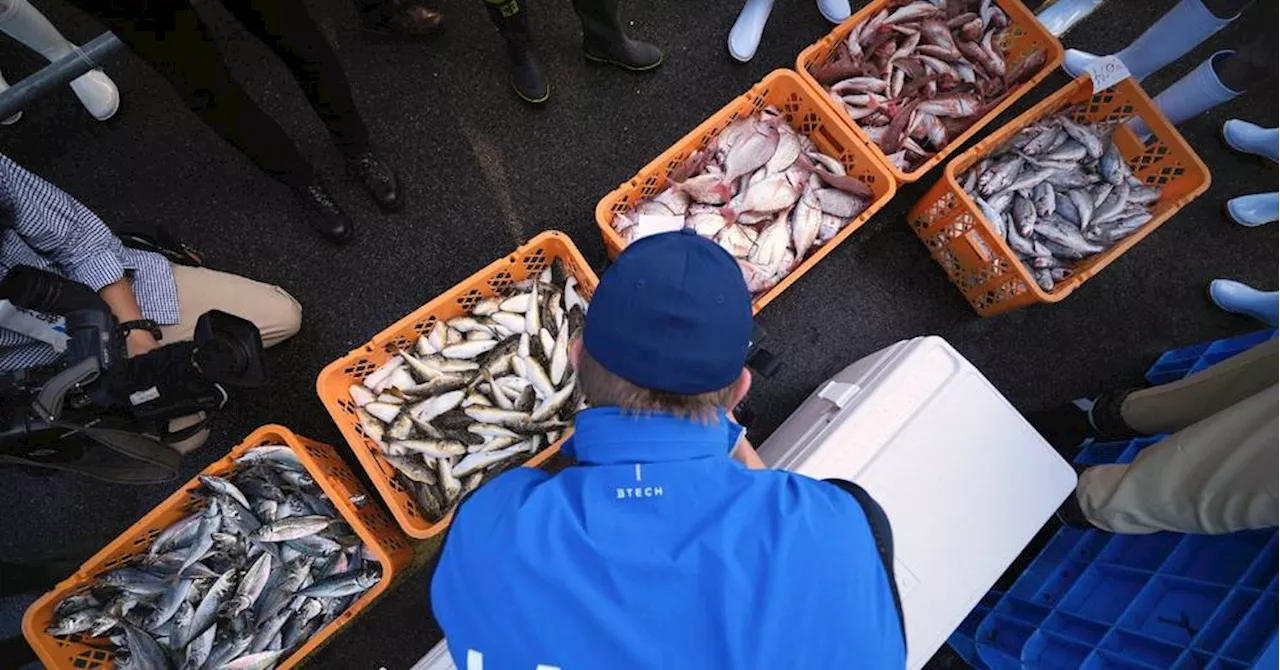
[(325, 216), (379, 179), (527, 77), (401, 18)]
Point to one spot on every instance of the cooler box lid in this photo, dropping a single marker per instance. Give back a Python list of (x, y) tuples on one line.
[(964, 479)]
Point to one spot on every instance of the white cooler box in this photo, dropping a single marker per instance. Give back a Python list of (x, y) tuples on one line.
[(964, 479)]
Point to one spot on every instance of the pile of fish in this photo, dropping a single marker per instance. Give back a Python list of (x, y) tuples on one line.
[(480, 393), (1059, 192), (763, 192), (918, 73), (238, 585)]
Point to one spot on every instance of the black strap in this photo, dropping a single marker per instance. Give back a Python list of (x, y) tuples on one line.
[(883, 535), (141, 324), (129, 458), (164, 243)]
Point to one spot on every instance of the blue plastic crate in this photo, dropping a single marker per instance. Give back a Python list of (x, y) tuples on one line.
[(1137, 602), (1176, 364)]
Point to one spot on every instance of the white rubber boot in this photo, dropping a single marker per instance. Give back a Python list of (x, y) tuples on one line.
[(1180, 29), (1238, 298), (23, 22), (835, 11), (1195, 93), (744, 37), (13, 119), (1254, 210), (1250, 138)]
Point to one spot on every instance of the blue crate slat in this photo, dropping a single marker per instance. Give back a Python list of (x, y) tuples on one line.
[(1176, 364), (1134, 602)]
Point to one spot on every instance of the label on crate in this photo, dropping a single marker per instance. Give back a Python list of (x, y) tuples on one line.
[(652, 224), (1106, 72)]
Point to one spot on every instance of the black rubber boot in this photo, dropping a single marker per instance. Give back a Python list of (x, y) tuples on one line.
[(604, 40), (527, 77)]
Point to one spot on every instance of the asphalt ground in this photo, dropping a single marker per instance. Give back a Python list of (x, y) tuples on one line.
[(483, 172)]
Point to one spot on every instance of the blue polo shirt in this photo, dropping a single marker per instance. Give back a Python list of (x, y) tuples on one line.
[(657, 550)]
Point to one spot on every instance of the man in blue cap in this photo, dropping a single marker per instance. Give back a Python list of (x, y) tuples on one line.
[(667, 545)]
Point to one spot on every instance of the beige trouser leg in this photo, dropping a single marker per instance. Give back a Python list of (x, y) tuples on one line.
[(1215, 476), (1170, 407), (276, 314)]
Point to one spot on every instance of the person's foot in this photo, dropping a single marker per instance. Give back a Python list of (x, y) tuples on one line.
[(1251, 138), (625, 53), (1068, 425), (403, 18), (379, 179), (97, 93), (1238, 298), (527, 77), (1064, 426), (1254, 210), (1074, 61), (744, 37), (1071, 516), (324, 215), (835, 11)]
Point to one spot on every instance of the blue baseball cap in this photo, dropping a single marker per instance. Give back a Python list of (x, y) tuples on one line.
[(671, 314)]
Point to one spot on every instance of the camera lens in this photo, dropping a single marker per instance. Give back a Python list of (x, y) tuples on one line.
[(229, 350)]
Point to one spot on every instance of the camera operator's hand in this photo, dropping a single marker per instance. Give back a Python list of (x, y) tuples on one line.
[(139, 342)]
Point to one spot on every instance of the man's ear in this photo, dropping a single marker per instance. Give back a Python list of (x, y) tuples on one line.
[(575, 351)]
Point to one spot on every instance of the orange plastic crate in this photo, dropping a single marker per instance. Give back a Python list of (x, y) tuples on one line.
[(336, 379), (1022, 37), (981, 264), (387, 543), (805, 113)]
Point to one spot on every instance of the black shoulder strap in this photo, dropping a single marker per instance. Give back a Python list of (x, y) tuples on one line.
[(127, 458), (883, 534)]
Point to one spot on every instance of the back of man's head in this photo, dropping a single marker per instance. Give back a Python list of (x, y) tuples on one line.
[(668, 329)]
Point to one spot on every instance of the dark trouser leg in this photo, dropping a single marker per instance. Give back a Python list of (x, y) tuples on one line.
[(604, 40), (1253, 65), (511, 18), (288, 29), (170, 37)]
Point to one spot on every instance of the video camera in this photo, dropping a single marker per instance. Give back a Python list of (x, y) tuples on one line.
[(96, 392)]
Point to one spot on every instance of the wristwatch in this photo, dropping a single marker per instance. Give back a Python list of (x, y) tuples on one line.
[(140, 324)]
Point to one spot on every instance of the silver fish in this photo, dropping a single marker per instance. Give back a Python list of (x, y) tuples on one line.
[(291, 528), (259, 661), (468, 350), (168, 604), (479, 461), (206, 612), (250, 587), (433, 448), (76, 622), (449, 485), (413, 468), (143, 649), (342, 585), (197, 651), (1024, 215), (1088, 137)]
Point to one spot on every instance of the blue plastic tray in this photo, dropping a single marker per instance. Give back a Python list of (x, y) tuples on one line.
[(1096, 600), (1176, 364)]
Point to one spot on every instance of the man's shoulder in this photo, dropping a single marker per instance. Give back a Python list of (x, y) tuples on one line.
[(834, 495), (498, 493)]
